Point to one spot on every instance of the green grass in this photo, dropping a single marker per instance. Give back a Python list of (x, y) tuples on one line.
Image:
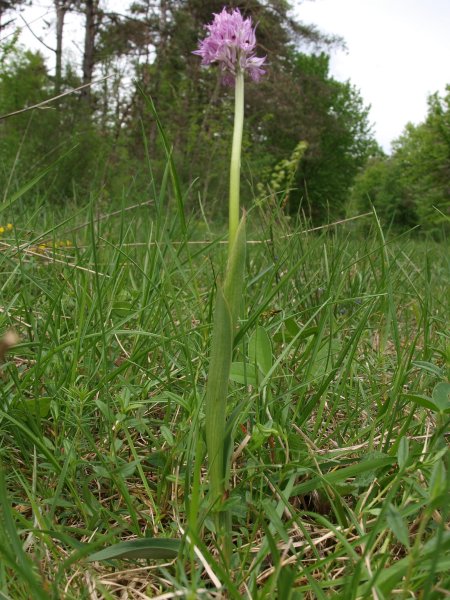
[(340, 478)]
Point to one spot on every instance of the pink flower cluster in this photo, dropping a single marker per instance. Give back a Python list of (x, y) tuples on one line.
[(231, 43)]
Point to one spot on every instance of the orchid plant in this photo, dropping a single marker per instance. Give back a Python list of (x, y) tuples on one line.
[(230, 43)]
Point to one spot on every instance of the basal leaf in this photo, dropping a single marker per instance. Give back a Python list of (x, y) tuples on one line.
[(244, 373), (152, 548), (260, 349), (441, 396), (397, 524)]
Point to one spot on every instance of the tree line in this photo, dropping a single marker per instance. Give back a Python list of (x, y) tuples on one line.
[(411, 187), (107, 137)]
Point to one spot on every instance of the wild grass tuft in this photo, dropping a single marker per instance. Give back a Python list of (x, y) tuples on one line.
[(339, 465)]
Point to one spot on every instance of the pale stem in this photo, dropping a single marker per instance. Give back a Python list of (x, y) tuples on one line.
[(235, 167)]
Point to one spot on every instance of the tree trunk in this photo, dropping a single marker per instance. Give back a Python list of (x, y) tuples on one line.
[(92, 16), (61, 8)]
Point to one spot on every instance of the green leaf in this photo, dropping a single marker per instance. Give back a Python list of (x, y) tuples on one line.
[(35, 406), (367, 476), (245, 373), (441, 396), (424, 401), (286, 581), (397, 524), (292, 327), (403, 452), (392, 575), (217, 391), (440, 400), (276, 524), (324, 359), (127, 469), (121, 308), (104, 409), (364, 466), (260, 349), (101, 471), (438, 481), (140, 548), (261, 433), (167, 435), (427, 366)]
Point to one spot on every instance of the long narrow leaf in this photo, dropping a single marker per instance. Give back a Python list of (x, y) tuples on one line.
[(140, 548), (216, 392)]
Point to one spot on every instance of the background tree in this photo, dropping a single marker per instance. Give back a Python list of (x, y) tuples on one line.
[(193, 104), (331, 117), (62, 7), (7, 9), (151, 43), (93, 16), (24, 81), (411, 187)]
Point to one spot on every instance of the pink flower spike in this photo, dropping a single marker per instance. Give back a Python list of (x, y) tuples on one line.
[(231, 43)]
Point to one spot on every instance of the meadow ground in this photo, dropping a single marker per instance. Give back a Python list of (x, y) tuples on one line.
[(339, 392)]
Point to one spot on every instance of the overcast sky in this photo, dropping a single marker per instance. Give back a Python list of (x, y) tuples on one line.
[(398, 51)]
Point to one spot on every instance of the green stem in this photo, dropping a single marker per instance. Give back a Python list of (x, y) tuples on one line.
[(228, 302), (235, 167)]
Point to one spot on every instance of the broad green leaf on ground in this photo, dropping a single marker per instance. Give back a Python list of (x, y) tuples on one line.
[(152, 548), (397, 524), (244, 373), (260, 349), (441, 396)]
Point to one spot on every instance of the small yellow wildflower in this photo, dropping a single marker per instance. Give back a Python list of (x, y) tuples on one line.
[(9, 227), (2, 230)]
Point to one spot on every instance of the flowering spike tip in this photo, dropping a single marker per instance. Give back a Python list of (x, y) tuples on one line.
[(231, 43)]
